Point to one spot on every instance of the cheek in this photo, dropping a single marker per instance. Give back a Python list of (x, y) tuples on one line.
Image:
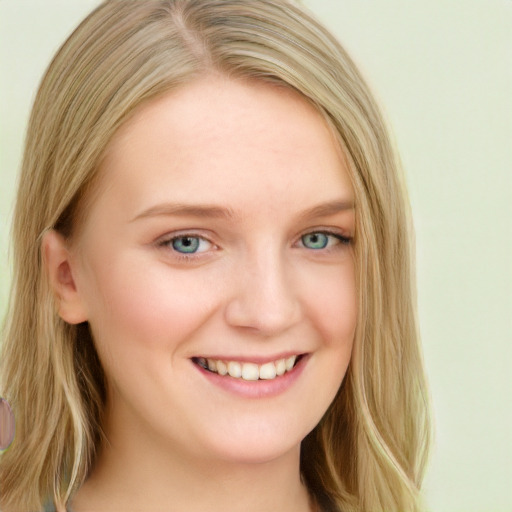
[(152, 308), (333, 309)]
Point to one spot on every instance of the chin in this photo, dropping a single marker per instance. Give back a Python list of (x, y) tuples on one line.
[(260, 444)]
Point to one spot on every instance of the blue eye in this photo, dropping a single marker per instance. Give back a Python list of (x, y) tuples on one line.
[(318, 240), (315, 240), (187, 244)]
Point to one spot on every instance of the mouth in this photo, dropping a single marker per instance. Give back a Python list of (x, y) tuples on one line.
[(249, 371)]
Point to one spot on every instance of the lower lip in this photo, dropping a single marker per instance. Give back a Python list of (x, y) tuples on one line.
[(256, 388)]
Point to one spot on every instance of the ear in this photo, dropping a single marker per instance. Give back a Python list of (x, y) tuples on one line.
[(57, 260)]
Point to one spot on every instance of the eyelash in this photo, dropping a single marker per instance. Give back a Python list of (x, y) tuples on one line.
[(343, 240), (166, 243)]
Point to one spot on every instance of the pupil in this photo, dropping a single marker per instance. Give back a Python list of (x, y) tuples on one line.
[(315, 240), (186, 244)]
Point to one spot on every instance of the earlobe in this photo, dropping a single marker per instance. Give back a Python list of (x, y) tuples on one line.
[(57, 260)]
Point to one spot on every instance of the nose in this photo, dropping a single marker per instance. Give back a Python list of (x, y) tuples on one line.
[(263, 298)]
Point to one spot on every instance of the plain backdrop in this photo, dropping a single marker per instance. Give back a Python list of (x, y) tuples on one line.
[(442, 72)]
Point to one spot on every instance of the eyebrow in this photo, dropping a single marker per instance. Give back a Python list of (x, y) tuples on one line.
[(327, 209), (214, 211), (186, 210)]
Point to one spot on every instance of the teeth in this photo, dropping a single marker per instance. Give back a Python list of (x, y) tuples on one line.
[(248, 371), (280, 367), (222, 368), (290, 362), (234, 369), (268, 371), (201, 361)]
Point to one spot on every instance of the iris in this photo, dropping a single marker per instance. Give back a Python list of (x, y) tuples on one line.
[(186, 244), (315, 240)]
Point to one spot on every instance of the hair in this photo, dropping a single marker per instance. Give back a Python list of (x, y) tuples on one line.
[(6, 424), (369, 451)]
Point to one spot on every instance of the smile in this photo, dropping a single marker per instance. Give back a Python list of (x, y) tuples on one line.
[(248, 371)]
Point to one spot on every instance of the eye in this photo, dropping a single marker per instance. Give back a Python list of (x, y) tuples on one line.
[(187, 244), (318, 240), (315, 240)]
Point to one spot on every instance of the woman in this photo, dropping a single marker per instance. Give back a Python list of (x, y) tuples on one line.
[(213, 285)]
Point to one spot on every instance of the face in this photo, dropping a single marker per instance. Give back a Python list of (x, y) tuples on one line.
[(216, 270)]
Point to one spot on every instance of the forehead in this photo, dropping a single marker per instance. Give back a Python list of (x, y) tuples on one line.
[(226, 140)]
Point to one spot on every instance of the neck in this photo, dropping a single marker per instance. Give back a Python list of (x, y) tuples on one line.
[(138, 474)]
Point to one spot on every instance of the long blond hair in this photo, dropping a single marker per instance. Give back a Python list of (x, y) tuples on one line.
[(369, 451)]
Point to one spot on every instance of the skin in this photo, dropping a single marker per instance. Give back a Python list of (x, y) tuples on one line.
[(265, 159)]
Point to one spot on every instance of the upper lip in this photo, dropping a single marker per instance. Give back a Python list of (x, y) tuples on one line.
[(251, 359)]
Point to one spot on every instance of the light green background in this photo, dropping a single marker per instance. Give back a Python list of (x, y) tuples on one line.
[(442, 69)]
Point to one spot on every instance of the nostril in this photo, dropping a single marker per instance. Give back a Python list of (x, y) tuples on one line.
[(267, 315), (263, 299)]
